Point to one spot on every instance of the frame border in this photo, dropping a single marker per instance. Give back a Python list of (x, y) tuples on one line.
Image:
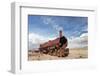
[(16, 52)]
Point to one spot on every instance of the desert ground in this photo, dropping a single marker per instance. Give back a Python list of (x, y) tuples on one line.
[(73, 54)]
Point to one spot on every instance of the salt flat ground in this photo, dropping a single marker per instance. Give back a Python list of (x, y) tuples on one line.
[(73, 54)]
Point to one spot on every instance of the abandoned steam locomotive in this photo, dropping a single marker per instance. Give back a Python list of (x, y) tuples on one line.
[(56, 47)]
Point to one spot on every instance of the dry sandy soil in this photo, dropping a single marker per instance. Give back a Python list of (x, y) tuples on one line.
[(73, 54)]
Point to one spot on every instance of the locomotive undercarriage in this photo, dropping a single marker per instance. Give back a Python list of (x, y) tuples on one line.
[(60, 52)]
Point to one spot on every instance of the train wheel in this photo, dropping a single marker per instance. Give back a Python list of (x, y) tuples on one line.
[(58, 53), (67, 52), (61, 52)]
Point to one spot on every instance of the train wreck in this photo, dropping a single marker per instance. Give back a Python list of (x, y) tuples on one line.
[(57, 47)]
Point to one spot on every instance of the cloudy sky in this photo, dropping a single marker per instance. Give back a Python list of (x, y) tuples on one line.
[(44, 28)]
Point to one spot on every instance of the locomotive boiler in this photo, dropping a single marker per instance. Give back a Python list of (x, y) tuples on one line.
[(56, 47)]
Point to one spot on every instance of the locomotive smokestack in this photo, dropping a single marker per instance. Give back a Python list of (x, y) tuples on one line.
[(60, 33)]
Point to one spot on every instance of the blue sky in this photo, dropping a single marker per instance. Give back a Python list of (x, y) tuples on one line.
[(44, 25), (48, 26)]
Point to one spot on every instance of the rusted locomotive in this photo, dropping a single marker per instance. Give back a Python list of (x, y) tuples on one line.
[(56, 47)]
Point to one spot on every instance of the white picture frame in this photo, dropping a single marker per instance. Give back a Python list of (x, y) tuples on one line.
[(19, 63)]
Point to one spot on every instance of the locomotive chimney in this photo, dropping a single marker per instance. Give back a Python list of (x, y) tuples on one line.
[(60, 33)]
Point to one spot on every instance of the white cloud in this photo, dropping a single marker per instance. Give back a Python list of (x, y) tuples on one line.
[(79, 42), (52, 23), (47, 20), (35, 40), (84, 35)]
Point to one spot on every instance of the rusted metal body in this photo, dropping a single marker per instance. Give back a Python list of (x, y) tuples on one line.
[(50, 43), (52, 47)]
